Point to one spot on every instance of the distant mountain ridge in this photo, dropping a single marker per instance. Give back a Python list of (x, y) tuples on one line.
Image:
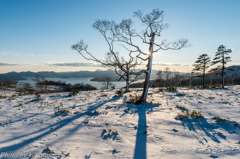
[(16, 76)]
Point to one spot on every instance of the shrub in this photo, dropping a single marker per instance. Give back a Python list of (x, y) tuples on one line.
[(182, 116), (77, 112), (180, 94), (219, 120), (133, 99), (2, 96), (194, 114), (108, 107), (63, 111), (96, 112), (199, 86), (73, 92), (160, 89), (170, 89), (49, 150), (211, 97), (103, 95), (119, 92)]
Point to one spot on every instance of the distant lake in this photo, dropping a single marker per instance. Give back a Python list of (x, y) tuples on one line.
[(84, 80)]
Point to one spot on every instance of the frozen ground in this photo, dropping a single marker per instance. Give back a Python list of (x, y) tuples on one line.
[(29, 123)]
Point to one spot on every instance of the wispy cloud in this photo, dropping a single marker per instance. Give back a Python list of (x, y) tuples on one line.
[(73, 64), (85, 64), (17, 54), (170, 64), (12, 64)]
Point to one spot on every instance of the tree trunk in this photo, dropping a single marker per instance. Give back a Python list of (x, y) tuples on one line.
[(223, 72), (148, 73), (204, 76), (127, 81)]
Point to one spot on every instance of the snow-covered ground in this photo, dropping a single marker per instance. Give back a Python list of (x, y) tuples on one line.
[(120, 130)]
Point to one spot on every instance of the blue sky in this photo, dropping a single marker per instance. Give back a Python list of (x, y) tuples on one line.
[(36, 35)]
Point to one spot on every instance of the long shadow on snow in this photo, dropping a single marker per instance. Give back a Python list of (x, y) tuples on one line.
[(76, 128), (55, 115), (229, 127), (58, 126), (30, 116), (141, 136), (202, 125)]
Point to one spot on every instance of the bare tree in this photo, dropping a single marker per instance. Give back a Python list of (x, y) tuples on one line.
[(222, 58), (106, 83), (124, 34), (41, 83), (128, 65), (175, 77), (168, 76), (200, 67), (210, 75), (231, 76), (189, 78), (160, 79), (179, 79)]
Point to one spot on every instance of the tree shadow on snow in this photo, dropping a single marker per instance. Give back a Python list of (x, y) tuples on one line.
[(202, 125), (140, 151), (46, 131)]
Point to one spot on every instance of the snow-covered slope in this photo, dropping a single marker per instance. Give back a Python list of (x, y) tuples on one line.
[(100, 125)]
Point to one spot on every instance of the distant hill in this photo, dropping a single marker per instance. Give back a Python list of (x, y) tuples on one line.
[(98, 74), (236, 71)]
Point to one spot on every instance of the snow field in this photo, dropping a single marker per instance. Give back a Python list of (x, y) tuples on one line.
[(95, 124)]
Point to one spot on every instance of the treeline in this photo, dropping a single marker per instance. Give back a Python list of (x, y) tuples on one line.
[(45, 86), (66, 86), (7, 83), (219, 75), (42, 85)]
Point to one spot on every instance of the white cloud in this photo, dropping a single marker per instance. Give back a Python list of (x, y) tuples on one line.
[(17, 54), (13, 64), (73, 64), (170, 64)]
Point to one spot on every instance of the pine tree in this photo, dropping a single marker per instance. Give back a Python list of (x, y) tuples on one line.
[(200, 67), (222, 58)]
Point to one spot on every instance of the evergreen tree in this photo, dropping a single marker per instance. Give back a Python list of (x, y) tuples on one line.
[(222, 58), (200, 66)]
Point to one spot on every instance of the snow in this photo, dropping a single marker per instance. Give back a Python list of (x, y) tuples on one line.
[(29, 123)]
